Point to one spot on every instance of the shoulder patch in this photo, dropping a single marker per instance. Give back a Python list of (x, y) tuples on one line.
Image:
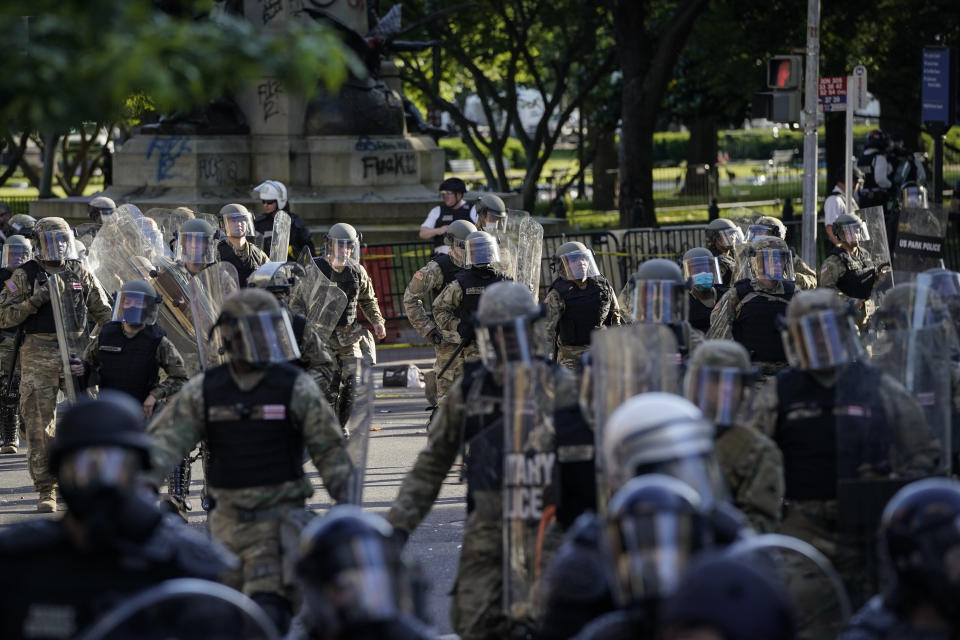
[(12, 288), (418, 275)]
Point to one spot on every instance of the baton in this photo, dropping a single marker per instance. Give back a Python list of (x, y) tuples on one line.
[(458, 351)]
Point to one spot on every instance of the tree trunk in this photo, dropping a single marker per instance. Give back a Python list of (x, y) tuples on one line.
[(604, 171), (49, 160), (701, 175)]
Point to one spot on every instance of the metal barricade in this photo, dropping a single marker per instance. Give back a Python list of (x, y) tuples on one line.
[(606, 250), (640, 245), (391, 266)]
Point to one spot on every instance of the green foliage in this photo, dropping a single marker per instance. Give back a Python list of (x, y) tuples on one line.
[(455, 149)]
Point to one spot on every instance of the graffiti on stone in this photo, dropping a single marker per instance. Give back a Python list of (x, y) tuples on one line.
[(167, 150)]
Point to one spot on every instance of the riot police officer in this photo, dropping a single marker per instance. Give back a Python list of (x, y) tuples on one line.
[(196, 246), (256, 414), (919, 539), (440, 217), (273, 198), (490, 213), (234, 248), (578, 301), (876, 170), (804, 276), (702, 272), (17, 251), (849, 268), (111, 543), (26, 301), (341, 264), (722, 237), (440, 271), (99, 209), (23, 224), (355, 582), (749, 310), (657, 294)]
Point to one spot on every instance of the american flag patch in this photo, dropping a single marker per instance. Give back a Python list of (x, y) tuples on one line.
[(418, 275), (12, 288), (77, 286), (274, 412)]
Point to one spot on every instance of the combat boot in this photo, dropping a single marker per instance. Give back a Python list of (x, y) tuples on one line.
[(46, 500), (10, 428)]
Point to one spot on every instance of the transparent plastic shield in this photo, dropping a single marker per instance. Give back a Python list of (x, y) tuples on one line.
[(919, 242), (626, 361), (280, 243), (172, 282), (169, 221), (877, 248), (121, 250), (358, 426), (207, 291), (69, 309), (521, 248), (317, 298), (185, 608), (820, 601), (528, 490)]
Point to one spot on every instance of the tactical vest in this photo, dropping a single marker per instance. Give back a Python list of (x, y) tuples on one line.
[(244, 268), (584, 309), (129, 364), (755, 326), (858, 274), (699, 313), (42, 321), (807, 430), (865, 164), (473, 282), (482, 439), (251, 438), (347, 280), (448, 268), (447, 216)]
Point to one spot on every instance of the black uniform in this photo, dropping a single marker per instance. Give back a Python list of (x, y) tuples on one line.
[(299, 233), (447, 216), (585, 309), (244, 267), (447, 266)]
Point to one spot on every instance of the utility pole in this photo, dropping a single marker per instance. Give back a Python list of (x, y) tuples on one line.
[(810, 143)]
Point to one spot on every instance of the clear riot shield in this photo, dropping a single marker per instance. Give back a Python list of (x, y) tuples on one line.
[(358, 426), (521, 246), (280, 243), (626, 361), (185, 608), (877, 248), (120, 252), (169, 221), (317, 298), (208, 289), (918, 245), (70, 318), (528, 489), (172, 282), (820, 601)]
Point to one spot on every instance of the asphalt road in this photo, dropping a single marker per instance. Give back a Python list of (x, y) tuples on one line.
[(397, 434)]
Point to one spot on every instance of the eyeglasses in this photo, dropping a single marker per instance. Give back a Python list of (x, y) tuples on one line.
[(272, 203)]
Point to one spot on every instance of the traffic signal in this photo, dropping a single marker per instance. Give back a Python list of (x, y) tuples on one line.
[(777, 106), (784, 73)]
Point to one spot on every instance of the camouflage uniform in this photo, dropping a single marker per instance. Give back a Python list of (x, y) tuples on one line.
[(727, 310), (752, 465), (804, 276), (445, 308), (318, 361), (429, 279), (246, 259), (40, 380), (260, 524), (569, 355), (836, 266), (169, 361), (476, 609)]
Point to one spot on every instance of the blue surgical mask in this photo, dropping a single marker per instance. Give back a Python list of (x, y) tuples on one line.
[(702, 281)]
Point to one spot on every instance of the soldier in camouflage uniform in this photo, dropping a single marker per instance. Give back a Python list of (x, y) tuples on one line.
[(657, 294), (702, 272), (341, 264), (849, 269), (825, 395), (453, 309), (804, 276), (234, 248), (256, 414), (431, 279), (748, 311), (17, 250), (717, 380), (97, 208), (722, 236), (469, 414), (491, 213), (579, 301), (26, 300)]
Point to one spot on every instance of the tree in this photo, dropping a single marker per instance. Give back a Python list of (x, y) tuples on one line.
[(495, 48), (69, 64)]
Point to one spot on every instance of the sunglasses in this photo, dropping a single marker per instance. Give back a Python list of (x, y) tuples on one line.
[(270, 202)]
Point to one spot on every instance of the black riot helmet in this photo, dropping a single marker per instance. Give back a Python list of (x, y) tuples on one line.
[(920, 543), (137, 303), (455, 185), (255, 329)]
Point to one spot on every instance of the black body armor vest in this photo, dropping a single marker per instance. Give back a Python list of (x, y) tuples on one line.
[(250, 436), (42, 321), (447, 266), (584, 309), (129, 364), (755, 326), (473, 282), (858, 277), (227, 254), (482, 438), (447, 216), (348, 280)]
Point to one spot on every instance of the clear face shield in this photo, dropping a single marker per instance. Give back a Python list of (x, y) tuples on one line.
[(728, 238), (480, 252), (152, 236), (755, 231), (702, 272), (913, 197), (196, 248), (492, 223), (92, 468), (717, 391), (503, 343), (340, 251), (237, 224), (659, 302), (579, 265), (14, 255), (772, 264), (854, 233), (136, 308), (700, 471), (56, 246), (821, 341), (263, 338)]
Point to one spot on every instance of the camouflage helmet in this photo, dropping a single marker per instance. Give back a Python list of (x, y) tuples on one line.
[(45, 225), (234, 208), (489, 204), (458, 231), (186, 212), (819, 334), (505, 301), (848, 227), (23, 224), (256, 329), (814, 301), (766, 243), (16, 251), (774, 223), (51, 233), (236, 221), (100, 205), (343, 231), (720, 224), (721, 353)]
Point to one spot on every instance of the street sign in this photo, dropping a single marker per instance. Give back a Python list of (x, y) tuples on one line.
[(935, 95), (832, 93), (857, 86)]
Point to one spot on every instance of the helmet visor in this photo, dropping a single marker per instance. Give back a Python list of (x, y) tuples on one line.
[(700, 266), (755, 231), (54, 246), (820, 341), (265, 337), (914, 197), (718, 391), (15, 255), (135, 307), (481, 251), (700, 471), (510, 342), (101, 466), (660, 301), (773, 264), (194, 247), (579, 265), (729, 238), (342, 250), (854, 233), (237, 224)]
